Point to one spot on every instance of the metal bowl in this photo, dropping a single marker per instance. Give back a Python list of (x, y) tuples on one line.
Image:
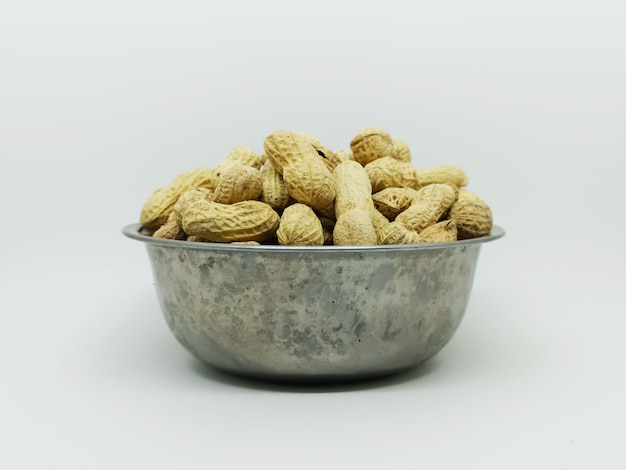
[(314, 314)]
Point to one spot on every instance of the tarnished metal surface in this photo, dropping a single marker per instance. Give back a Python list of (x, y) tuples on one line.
[(325, 313)]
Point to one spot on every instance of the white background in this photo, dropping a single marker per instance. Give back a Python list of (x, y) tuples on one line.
[(103, 101)]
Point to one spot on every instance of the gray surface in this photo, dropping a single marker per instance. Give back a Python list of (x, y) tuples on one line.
[(313, 314)]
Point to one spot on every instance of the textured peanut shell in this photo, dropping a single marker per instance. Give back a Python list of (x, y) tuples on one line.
[(244, 156), (344, 155), (287, 147), (299, 226), (396, 233), (444, 231), (401, 151), (160, 204), (449, 174), (429, 205), (307, 178), (170, 230), (330, 158), (371, 144), (188, 198), (391, 201), (472, 216), (274, 188), (242, 221), (465, 194), (354, 228), (353, 188), (379, 221), (387, 172), (310, 182), (238, 183)]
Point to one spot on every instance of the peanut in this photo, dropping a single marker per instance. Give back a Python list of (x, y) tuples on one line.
[(444, 231), (387, 172), (353, 197), (274, 188), (391, 201), (330, 158), (170, 230), (430, 204), (354, 228), (396, 233), (241, 221), (238, 183), (379, 221), (159, 205), (449, 174), (401, 151), (307, 178), (243, 156), (299, 226), (472, 216), (371, 144)]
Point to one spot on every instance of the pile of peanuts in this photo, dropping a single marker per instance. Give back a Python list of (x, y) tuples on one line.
[(300, 193)]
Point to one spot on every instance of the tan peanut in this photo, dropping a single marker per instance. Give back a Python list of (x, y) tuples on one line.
[(242, 221), (396, 233), (388, 172), (170, 230), (307, 178), (274, 188), (250, 243), (448, 174), (354, 228), (444, 231), (379, 221), (330, 158), (238, 183), (299, 226), (188, 198), (429, 205), (243, 156), (401, 151), (472, 216), (391, 201), (354, 203), (159, 205), (371, 144)]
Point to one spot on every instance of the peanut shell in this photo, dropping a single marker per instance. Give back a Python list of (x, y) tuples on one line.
[(387, 172), (371, 144), (299, 226)]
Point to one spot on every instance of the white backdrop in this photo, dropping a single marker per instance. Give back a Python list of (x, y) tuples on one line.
[(101, 102)]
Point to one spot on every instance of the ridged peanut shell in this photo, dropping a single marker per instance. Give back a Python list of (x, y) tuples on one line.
[(387, 172), (286, 147), (186, 199), (472, 216), (449, 174), (242, 221), (244, 156), (396, 233), (353, 188), (429, 205), (299, 226), (391, 201), (371, 144), (444, 231), (238, 183), (159, 205), (170, 230), (401, 151), (354, 228), (379, 221), (330, 158), (274, 188), (310, 183)]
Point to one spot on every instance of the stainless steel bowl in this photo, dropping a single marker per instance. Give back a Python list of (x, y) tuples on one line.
[(322, 314)]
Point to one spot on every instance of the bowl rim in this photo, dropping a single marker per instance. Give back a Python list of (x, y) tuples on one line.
[(134, 232)]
